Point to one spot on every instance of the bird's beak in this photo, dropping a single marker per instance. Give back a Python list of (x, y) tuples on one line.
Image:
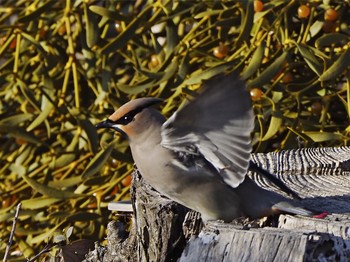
[(110, 124), (105, 124)]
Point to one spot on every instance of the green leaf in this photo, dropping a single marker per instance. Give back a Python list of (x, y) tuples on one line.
[(63, 160), (15, 119), (172, 36), (316, 27), (331, 40), (207, 13), (259, 15), (255, 62), (6, 216), (275, 124), (196, 78), (20, 133), (6, 44), (67, 182), (98, 161), (169, 73), (337, 67), (247, 24), (59, 214), (69, 232), (310, 58), (46, 235), (97, 180), (136, 89), (322, 136), (28, 93), (70, 154), (91, 133), (108, 13), (25, 248), (47, 107), (36, 13), (35, 43), (184, 66), (59, 238), (50, 191), (269, 72), (19, 169), (40, 202), (92, 32), (122, 39)]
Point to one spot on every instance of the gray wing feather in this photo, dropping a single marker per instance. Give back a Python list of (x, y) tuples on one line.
[(218, 124)]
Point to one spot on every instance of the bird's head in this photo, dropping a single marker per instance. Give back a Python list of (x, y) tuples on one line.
[(131, 118)]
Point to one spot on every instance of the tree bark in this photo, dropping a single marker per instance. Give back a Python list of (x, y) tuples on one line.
[(320, 175)]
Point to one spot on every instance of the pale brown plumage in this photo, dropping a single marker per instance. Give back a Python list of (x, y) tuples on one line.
[(199, 157)]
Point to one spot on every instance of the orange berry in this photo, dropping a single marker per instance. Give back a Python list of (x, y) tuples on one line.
[(98, 194), (303, 11), (287, 78), (118, 26), (153, 61), (278, 75), (42, 32), (256, 94), (13, 43), (92, 205), (62, 30), (114, 163), (20, 141), (126, 181), (265, 60), (3, 40), (221, 51), (39, 132), (115, 191), (6, 202), (329, 26), (316, 108), (330, 15), (258, 6)]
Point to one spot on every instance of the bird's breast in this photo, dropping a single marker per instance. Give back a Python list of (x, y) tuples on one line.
[(153, 163), (193, 186)]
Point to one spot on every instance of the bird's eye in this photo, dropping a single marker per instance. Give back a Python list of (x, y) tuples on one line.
[(126, 119)]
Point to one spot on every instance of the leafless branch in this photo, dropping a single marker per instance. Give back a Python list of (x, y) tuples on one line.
[(9, 243)]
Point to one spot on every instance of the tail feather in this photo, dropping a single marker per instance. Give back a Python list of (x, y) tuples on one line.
[(275, 180), (288, 207)]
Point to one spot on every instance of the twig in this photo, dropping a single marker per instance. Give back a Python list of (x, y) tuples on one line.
[(9, 243), (47, 248)]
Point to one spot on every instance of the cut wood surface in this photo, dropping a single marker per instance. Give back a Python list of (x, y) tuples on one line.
[(321, 176), (295, 239)]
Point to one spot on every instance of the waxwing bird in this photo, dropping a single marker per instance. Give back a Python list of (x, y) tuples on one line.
[(200, 156)]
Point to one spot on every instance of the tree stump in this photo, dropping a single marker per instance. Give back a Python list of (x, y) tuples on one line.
[(320, 175)]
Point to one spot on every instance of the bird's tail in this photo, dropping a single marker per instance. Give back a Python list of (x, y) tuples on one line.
[(275, 180), (289, 207)]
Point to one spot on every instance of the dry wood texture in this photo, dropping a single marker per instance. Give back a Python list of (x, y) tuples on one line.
[(320, 175)]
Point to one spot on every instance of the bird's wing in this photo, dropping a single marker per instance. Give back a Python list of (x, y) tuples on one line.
[(216, 124)]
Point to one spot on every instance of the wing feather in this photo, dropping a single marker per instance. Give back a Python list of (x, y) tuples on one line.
[(217, 124)]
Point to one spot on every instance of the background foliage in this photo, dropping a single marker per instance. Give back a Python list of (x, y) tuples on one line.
[(65, 65)]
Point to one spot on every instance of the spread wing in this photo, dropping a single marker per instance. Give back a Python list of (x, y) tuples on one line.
[(217, 126)]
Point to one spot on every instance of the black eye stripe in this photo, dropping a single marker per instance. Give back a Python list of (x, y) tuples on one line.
[(127, 118)]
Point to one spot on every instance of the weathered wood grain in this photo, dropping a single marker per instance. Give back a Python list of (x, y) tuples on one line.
[(225, 242), (321, 176)]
